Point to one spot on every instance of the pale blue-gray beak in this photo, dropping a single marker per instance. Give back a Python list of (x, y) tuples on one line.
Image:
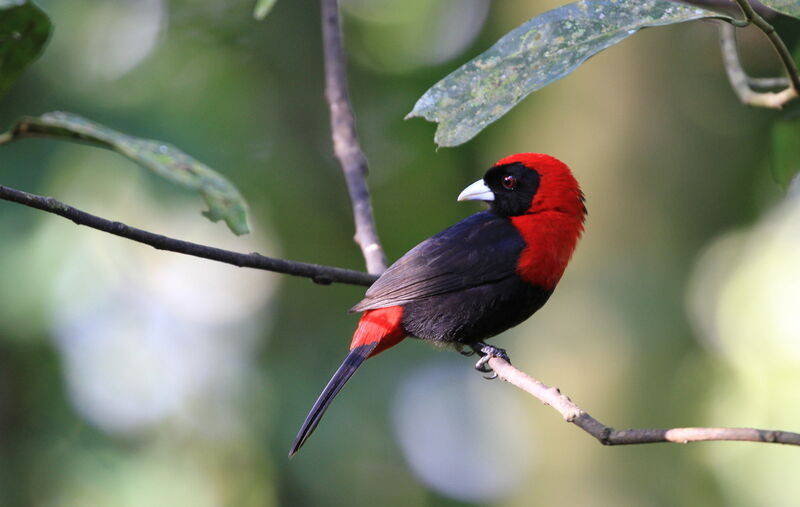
[(478, 191)]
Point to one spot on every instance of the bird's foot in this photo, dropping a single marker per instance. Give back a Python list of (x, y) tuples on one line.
[(460, 349), (487, 352)]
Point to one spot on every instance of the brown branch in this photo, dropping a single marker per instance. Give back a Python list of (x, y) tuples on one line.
[(607, 435), (783, 52), (738, 78), (319, 274), (345, 141), (740, 81)]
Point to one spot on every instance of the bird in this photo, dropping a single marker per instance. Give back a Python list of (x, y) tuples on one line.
[(475, 279)]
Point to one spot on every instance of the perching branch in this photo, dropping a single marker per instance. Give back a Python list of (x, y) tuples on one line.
[(741, 83), (317, 273), (607, 435), (345, 141)]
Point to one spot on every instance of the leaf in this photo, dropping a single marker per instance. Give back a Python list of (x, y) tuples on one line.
[(533, 55), (24, 30), (785, 162), (223, 199), (788, 7), (262, 8)]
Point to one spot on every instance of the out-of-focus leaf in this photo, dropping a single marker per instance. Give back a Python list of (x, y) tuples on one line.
[(788, 7), (533, 55), (262, 8), (785, 151), (24, 30), (223, 199)]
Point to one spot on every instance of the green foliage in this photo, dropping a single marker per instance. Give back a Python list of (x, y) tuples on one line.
[(785, 163), (788, 7), (223, 199), (262, 8), (544, 49), (24, 30), (229, 358)]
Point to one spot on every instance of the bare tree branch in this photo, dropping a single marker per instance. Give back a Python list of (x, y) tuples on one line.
[(783, 52), (607, 435), (319, 274), (738, 78), (741, 82), (345, 141)]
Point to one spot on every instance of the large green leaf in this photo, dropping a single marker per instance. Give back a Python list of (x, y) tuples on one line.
[(544, 49), (223, 199), (788, 7), (785, 161), (24, 30)]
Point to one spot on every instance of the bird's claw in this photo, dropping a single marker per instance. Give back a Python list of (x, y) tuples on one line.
[(483, 364), (460, 349), (487, 352)]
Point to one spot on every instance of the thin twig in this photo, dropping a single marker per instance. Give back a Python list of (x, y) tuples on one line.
[(783, 52), (768, 82), (738, 78), (607, 435), (319, 274), (345, 141)]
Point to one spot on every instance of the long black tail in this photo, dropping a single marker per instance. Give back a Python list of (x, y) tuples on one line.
[(339, 379)]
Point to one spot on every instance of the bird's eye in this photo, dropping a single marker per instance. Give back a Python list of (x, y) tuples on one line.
[(509, 182)]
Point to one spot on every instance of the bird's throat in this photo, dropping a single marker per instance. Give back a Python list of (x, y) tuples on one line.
[(550, 239)]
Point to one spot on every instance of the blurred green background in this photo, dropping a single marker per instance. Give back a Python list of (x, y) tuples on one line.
[(132, 377)]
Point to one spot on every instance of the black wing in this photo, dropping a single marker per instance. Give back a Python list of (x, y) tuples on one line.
[(481, 249)]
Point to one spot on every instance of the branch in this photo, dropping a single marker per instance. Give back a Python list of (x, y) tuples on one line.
[(319, 274), (775, 39), (740, 81), (768, 82), (738, 78), (345, 141), (607, 435)]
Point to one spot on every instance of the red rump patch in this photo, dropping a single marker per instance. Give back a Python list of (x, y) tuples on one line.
[(381, 325)]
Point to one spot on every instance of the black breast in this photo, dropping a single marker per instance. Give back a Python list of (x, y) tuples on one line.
[(474, 314)]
